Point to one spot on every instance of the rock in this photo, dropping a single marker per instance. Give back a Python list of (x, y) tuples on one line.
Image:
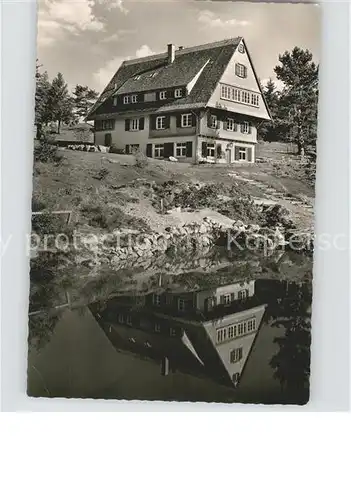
[(103, 149), (171, 158)]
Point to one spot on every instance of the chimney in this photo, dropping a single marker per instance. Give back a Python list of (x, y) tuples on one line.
[(171, 52), (181, 47)]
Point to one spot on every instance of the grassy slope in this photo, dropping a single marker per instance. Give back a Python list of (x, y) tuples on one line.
[(73, 183)]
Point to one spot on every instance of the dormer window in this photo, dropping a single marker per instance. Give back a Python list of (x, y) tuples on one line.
[(126, 99), (130, 98), (163, 95), (178, 93), (134, 98)]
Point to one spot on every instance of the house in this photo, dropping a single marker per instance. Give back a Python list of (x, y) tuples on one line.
[(198, 103), (182, 332)]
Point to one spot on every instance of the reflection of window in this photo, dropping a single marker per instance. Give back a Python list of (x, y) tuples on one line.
[(129, 320), (172, 332), (120, 318), (156, 299), (243, 294), (157, 327), (236, 355), (235, 378), (147, 344), (181, 304), (132, 339)]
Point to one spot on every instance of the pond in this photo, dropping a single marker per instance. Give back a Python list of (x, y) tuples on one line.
[(221, 333)]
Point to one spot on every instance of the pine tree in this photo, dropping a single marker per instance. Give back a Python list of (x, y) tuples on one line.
[(42, 88), (297, 114), (267, 130), (84, 98), (60, 103)]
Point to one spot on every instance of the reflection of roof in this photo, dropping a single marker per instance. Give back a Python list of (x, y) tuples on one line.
[(187, 63)]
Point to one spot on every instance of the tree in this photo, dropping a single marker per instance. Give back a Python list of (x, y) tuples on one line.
[(59, 101), (267, 130), (297, 113), (42, 88), (84, 98)]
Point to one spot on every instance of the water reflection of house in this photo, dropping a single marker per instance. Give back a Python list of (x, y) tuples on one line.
[(209, 333)]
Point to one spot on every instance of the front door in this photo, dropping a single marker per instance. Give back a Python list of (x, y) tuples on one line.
[(108, 140), (228, 155)]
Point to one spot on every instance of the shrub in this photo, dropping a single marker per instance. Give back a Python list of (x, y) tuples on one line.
[(46, 152), (101, 174), (141, 160)]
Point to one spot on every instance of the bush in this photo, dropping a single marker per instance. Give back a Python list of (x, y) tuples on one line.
[(141, 160), (46, 152)]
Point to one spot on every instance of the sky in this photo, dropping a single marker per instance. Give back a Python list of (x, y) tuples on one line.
[(87, 40)]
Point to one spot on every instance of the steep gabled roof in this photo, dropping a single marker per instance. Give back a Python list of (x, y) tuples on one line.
[(188, 62)]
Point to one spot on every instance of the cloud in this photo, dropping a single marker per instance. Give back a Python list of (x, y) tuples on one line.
[(209, 19), (103, 75), (56, 18), (113, 4)]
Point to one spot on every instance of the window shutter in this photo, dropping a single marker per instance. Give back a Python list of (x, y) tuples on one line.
[(189, 149), (232, 297), (219, 150), (250, 128), (237, 152), (127, 149), (149, 150), (242, 130), (209, 120), (168, 121), (204, 149), (168, 149), (153, 122), (169, 94), (236, 70), (141, 123), (193, 120), (225, 124), (235, 127), (140, 98), (249, 154), (221, 299), (245, 72), (127, 124), (179, 120)]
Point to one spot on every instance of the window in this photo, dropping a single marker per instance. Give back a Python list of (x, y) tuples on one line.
[(255, 99), (245, 97), (240, 70), (231, 124), (137, 77), (134, 98), (240, 328), (156, 299), (181, 305), (231, 332), (181, 149), (221, 335), (134, 124), (129, 320), (163, 95), (225, 92), (159, 150), (157, 327), (242, 154), (210, 149), (153, 74), (226, 299), (187, 120), (236, 355), (241, 48), (147, 344), (105, 124), (160, 122), (251, 325), (236, 95), (120, 318), (132, 339), (178, 93), (243, 294), (213, 121), (126, 99), (115, 101)]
